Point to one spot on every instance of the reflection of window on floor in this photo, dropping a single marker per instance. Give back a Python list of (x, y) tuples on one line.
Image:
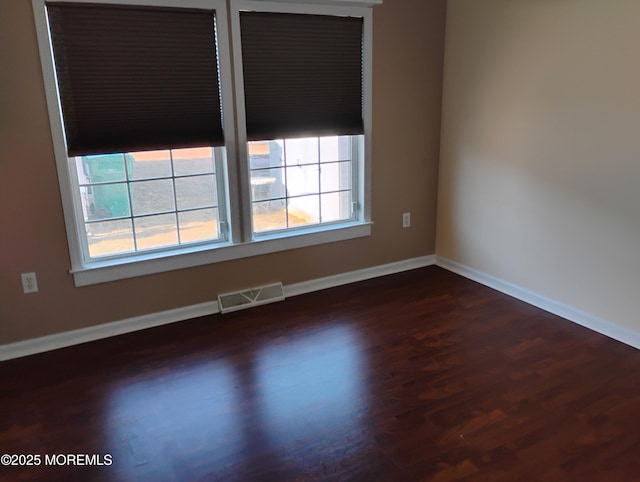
[(147, 200), (317, 369), (305, 181), (162, 420), (309, 387)]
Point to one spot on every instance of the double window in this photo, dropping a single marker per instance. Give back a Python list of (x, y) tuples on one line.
[(161, 168)]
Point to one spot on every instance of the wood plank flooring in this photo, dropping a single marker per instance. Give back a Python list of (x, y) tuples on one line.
[(417, 376)]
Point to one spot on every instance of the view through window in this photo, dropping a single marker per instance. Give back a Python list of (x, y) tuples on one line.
[(297, 182), (155, 199), (145, 200)]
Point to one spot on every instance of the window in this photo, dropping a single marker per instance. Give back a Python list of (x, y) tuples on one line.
[(152, 174), (297, 80), (300, 182), (147, 200)]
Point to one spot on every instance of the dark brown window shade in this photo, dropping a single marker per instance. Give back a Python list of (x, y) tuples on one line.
[(136, 78), (302, 74)]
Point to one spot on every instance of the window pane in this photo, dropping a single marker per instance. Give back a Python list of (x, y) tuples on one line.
[(197, 160), (303, 179), (313, 168), (105, 201), (335, 148), (198, 225), (301, 151), (156, 231), (188, 199), (336, 206), (267, 184), (151, 197), (304, 210), (269, 215), (103, 168), (110, 237), (149, 164), (196, 192), (336, 176), (265, 155)]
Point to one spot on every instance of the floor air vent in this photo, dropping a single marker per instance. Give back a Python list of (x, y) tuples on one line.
[(239, 300)]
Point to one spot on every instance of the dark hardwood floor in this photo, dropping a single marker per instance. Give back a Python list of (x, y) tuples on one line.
[(418, 376)]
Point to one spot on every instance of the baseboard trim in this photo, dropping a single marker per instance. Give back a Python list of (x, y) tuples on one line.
[(106, 330), (599, 325), (75, 337), (92, 333), (358, 275)]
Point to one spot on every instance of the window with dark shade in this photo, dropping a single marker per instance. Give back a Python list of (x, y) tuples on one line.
[(136, 78), (192, 132), (302, 74)]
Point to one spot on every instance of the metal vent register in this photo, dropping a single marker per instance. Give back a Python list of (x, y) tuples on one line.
[(240, 300)]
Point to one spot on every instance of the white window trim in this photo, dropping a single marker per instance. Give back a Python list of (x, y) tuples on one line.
[(188, 257), (240, 244), (363, 181)]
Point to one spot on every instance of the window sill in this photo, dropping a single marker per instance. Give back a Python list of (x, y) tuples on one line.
[(105, 271)]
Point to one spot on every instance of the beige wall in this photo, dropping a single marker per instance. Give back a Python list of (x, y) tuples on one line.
[(408, 49), (540, 156)]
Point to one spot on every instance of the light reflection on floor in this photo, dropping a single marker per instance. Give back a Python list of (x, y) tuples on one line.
[(303, 390), (166, 419), (322, 370)]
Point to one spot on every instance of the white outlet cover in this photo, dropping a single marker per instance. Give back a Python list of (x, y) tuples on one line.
[(29, 282), (406, 220)]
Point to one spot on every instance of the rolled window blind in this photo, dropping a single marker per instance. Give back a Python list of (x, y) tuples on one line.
[(136, 78), (302, 74)]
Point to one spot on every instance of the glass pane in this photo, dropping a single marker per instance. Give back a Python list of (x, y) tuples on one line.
[(102, 168), (336, 206), (109, 237), (265, 154), (105, 201), (304, 210), (198, 225), (301, 151), (156, 231), (196, 192), (149, 164), (267, 184), (303, 179), (197, 160), (151, 197), (269, 215), (335, 148), (336, 176)]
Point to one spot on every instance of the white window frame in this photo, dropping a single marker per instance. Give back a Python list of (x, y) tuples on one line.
[(219, 167), (240, 242), (361, 181)]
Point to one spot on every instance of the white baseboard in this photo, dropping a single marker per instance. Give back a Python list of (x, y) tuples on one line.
[(106, 330), (92, 333), (604, 327), (358, 275)]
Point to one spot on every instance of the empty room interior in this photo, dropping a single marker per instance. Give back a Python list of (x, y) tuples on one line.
[(460, 302)]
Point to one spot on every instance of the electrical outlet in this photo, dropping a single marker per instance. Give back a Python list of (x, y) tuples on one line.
[(29, 283), (406, 220)]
